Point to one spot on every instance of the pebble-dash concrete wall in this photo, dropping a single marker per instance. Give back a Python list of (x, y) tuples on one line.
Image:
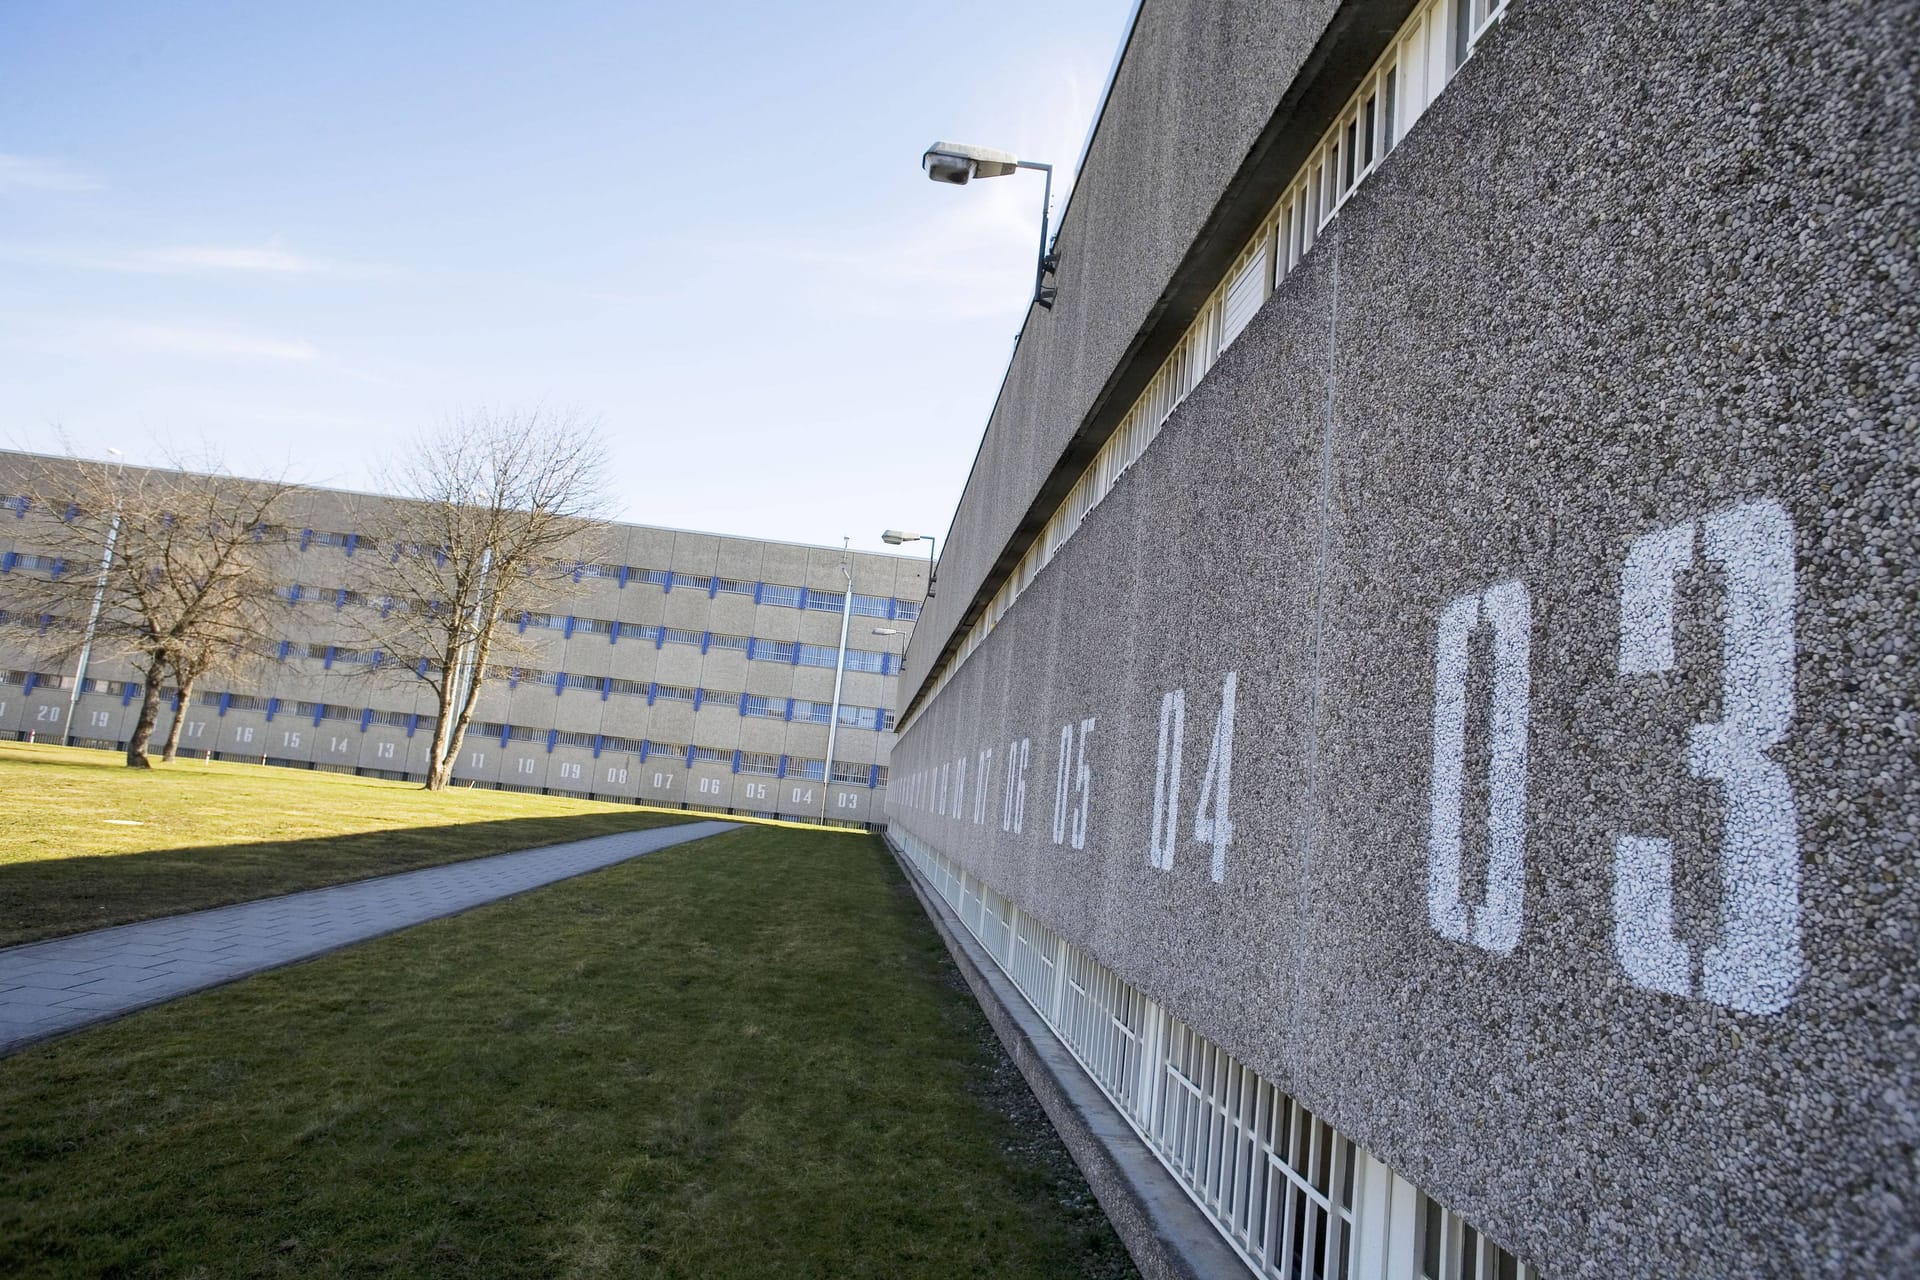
[(1557, 525)]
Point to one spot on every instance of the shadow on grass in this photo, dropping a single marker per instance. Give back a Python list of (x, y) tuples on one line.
[(52, 897)]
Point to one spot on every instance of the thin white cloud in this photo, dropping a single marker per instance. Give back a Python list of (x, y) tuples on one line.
[(265, 259), (218, 344), (269, 258), (28, 173)]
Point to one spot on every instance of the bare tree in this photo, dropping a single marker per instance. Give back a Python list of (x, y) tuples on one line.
[(501, 509), (168, 568)]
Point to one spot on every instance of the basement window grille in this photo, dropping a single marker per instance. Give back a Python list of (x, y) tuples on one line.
[(1296, 1198)]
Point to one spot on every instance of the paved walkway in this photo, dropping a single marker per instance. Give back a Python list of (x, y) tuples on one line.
[(47, 988)]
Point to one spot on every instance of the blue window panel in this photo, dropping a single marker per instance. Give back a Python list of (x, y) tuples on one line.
[(339, 599), (886, 664), (873, 777), (319, 711), (786, 597), (569, 630), (599, 741), (59, 567), (796, 654), (736, 761), (698, 695), (659, 637), (750, 643), (667, 584), (353, 540), (803, 599), (706, 641), (758, 588), (653, 692), (126, 695), (743, 704), (33, 678), (606, 688), (506, 732), (226, 700), (420, 668), (553, 736), (559, 683), (713, 587), (20, 508), (306, 539), (689, 755), (273, 705), (286, 646), (366, 717), (783, 768), (613, 632), (644, 748), (328, 661), (624, 571), (789, 717), (413, 722), (11, 559), (73, 509), (893, 608)]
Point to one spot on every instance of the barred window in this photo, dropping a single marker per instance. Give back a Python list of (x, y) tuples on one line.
[(774, 593)]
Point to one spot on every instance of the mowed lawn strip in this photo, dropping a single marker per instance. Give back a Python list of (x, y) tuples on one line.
[(747, 1056), (88, 842)]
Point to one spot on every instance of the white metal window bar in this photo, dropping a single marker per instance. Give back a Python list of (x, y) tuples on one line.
[(1297, 1199)]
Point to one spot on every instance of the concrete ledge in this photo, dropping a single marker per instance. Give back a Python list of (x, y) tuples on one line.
[(1168, 1236)]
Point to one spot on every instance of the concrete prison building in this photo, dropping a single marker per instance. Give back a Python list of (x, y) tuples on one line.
[(1420, 692), (681, 668)]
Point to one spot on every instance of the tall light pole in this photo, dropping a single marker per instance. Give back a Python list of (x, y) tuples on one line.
[(958, 163), (896, 538), (99, 598), (839, 676)]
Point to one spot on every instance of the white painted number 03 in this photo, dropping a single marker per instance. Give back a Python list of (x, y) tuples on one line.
[(1757, 963)]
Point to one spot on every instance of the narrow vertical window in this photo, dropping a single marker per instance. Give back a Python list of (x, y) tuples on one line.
[(1349, 154), (1390, 96), (1370, 124)]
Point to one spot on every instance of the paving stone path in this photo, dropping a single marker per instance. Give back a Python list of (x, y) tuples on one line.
[(47, 988)]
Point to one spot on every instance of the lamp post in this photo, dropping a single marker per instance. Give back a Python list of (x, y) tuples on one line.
[(896, 538), (839, 676), (99, 598), (958, 163)]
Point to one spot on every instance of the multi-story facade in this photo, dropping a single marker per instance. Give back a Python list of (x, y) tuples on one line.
[(1420, 694), (689, 669)]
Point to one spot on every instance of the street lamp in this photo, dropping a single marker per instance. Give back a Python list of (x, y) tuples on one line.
[(895, 538), (959, 163)]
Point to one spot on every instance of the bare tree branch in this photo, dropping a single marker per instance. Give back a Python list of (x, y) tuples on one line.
[(504, 507)]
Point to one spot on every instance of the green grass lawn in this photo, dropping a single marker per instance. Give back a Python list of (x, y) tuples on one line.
[(747, 1056), (91, 843)]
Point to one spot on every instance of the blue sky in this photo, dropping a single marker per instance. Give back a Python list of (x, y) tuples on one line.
[(298, 233)]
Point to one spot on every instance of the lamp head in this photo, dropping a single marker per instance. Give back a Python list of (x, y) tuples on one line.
[(960, 163), (894, 537)]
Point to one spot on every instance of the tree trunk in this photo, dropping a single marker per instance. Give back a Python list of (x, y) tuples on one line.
[(142, 735), (180, 718)]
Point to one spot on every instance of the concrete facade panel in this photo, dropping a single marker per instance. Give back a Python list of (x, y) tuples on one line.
[(1535, 349)]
